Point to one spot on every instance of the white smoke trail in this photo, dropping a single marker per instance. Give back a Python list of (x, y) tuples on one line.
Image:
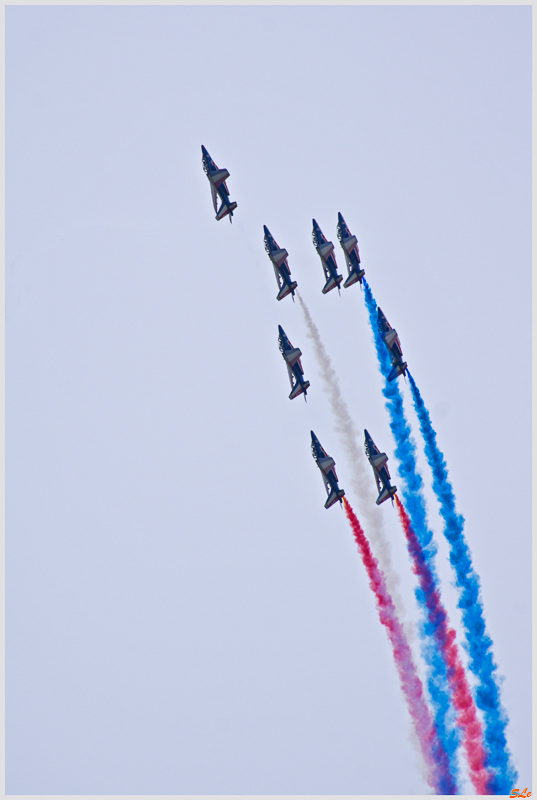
[(361, 477)]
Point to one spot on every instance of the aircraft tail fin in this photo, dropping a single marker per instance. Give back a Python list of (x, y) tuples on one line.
[(385, 493), (399, 369), (354, 277), (331, 283), (226, 208), (298, 389), (333, 497), (286, 289)]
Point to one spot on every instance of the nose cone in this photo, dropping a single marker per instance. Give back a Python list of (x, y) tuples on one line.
[(281, 330), (204, 151), (340, 218), (267, 232)]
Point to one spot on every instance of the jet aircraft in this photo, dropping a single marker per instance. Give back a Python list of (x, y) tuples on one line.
[(380, 470), (281, 267), (394, 346), (217, 179), (327, 467), (349, 243), (328, 259), (291, 357)]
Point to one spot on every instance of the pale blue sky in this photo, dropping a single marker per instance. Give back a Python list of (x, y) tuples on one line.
[(183, 615)]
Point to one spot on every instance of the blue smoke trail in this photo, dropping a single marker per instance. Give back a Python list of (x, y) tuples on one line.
[(414, 502), (479, 643)]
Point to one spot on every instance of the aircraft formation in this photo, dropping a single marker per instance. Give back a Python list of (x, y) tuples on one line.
[(452, 721)]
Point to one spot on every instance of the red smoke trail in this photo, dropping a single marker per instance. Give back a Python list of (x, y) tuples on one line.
[(439, 776), (444, 635)]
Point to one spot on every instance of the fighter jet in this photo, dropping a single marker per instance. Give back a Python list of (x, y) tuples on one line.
[(380, 470), (291, 357), (394, 346), (281, 267), (349, 244), (328, 259), (327, 467), (217, 179)]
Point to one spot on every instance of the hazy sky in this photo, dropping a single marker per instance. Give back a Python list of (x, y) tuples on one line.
[(183, 615)]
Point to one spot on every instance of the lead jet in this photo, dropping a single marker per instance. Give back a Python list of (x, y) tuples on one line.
[(394, 346), (278, 256), (291, 357), (217, 179), (328, 259), (380, 470), (349, 243), (327, 466)]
